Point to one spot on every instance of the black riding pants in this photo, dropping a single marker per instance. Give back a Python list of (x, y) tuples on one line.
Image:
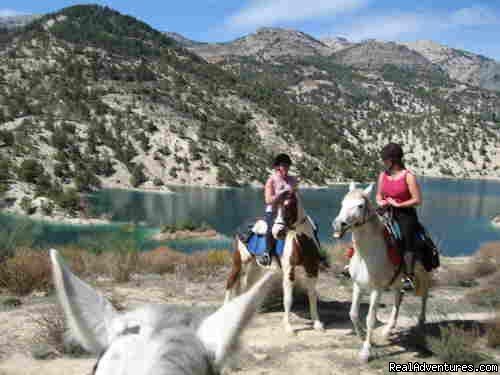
[(409, 225)]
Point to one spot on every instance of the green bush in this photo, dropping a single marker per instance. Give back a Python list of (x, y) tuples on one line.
[(27, 206), (30, 170)]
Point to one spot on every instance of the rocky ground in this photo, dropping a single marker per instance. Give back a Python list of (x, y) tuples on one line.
[(331, 352)]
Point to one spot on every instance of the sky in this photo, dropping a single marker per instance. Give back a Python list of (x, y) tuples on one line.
[(469, 25)]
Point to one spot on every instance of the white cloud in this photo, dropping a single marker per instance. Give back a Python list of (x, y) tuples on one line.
[(9, 13), (475, 15), (270, 12), (395, 26)]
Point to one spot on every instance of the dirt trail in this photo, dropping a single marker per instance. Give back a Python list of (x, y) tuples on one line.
[(267, 349)]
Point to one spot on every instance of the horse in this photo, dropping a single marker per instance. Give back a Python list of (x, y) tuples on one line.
[(154, 339), (370, 267), (301, 248)]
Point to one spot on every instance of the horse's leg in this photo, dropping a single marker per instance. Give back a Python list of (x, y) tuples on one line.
[(364, 355), (354, 312), (398, 297), (233, 281), (425, 294), (288, 279), (313, 302)]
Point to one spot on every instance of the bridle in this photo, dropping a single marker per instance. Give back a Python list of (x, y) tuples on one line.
[(294, 225)]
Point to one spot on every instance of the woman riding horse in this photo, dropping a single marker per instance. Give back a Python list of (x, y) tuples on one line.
[(399, 191), (277, 185)]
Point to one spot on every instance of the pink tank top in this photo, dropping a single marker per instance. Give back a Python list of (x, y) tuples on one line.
[(279, 183), (396, 189)]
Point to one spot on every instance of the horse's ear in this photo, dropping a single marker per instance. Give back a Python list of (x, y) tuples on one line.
[(88, 314), (221, 330), (352, 186), (367, 191)]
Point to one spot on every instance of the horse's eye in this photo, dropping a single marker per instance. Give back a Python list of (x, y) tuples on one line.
[(361, 205)]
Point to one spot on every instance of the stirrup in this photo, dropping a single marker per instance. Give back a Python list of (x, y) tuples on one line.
[(408, 283), (264, 260)]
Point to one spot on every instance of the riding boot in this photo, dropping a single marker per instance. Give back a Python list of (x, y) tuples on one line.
[(265, 258), (409, 260)]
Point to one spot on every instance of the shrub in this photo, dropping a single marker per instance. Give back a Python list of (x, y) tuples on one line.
[(27, 206), (456, 345), (69, 200), (138, 177), (26, 271), (30, 170)]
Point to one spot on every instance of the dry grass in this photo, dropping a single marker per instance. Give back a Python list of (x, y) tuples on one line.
[(455, 344), (164, 260), (28, 270), (51, 339), (337, 256), (484, 262), (494, 332)]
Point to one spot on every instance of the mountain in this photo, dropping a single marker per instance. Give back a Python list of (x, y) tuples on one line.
[(267, 43), (185, 42), (371, 92), (337, 43), (375, 55), (461, 65), (14, 22), (92, 98)]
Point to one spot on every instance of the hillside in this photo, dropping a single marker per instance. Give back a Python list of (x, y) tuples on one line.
[(461, 65), (91, 98), (371, 92)]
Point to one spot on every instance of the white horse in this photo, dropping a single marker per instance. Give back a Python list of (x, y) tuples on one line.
[(370, 267), (155, 339), (301, 249)]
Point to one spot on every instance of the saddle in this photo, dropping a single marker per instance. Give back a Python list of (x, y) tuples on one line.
[(427, 252), (254, 237)]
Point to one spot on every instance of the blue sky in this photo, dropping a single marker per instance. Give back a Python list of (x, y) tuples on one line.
[(469, 25)]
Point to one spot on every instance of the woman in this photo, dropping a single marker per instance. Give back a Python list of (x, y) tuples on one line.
[(279, 183), (399, 190)]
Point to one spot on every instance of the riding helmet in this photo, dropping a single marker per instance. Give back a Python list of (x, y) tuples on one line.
[(282, 159)]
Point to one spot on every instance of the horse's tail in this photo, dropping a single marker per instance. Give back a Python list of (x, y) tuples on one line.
[(236, 265)]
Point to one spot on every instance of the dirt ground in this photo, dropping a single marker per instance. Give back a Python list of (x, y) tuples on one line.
[(266, 348)]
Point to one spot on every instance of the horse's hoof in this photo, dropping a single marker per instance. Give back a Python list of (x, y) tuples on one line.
[(318, 326), (364, 356)]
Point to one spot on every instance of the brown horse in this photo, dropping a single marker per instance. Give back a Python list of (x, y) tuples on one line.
[(301, 249)]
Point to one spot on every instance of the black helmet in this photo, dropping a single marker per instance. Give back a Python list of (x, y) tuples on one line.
[(392, 151), (282, 159)]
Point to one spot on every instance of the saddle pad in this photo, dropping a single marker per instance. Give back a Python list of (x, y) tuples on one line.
[(257, 245)]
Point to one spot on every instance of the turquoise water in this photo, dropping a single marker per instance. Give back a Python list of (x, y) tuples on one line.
[(456, 212)]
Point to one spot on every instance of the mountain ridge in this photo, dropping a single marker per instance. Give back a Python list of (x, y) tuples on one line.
[(92, 98)]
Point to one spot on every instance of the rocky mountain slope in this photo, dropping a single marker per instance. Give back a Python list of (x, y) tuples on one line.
[(15, 22), (265, 44), (461, 65), (92, 98), (375, 91)]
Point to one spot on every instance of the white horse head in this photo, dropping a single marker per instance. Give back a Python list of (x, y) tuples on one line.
[(153, 340), (354, 211)]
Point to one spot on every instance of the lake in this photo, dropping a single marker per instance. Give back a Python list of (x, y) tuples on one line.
[(456, 212)]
